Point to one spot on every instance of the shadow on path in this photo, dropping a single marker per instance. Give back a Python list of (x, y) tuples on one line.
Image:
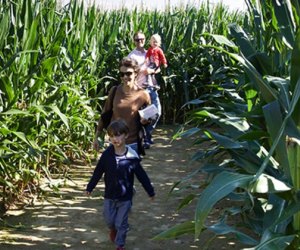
[(71, 220)]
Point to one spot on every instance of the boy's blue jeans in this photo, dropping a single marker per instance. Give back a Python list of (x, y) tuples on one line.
[(116, 217), (150, 127)]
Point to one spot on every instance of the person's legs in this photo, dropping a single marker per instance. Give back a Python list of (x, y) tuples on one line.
[(109, 214), (121, 222), (150, 127), (155, 100)]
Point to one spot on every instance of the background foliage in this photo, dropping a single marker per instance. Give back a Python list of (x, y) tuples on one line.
[(57, 64), (251, 124), (236, 75)]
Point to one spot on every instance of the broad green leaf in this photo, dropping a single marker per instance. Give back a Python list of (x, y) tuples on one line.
[(295, 74), (4, 29), (225, 141), (15, 112), (61, 115), (285, 20), (7, 87), (221, 228), (194, 102), (22, 136), (187, 133), (267, 93), (274, 243), (187, 227), (186, 201), (222, 185), (48, 64), (242, 40), (273, 119), (295, 99), (223, 40), (287, 214), (32, 35)]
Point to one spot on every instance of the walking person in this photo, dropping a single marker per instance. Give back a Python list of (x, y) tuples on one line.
[(119, 163), (139, 54), (125, 100)]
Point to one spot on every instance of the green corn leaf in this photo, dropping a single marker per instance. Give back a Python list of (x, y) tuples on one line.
[(221, 228), (267, 93), (294, 101), (15, 112), (225, 141), (187, 227), (285, 20), (295, 75), (222, 185), (274, 120), (276, 242), (288, 212), (223, 40), (6, 87), (61, 115), (4, 29), (242, 40), (21, 136)]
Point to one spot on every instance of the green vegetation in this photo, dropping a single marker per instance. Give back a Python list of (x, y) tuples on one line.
[(56, 67), (233, 80), (251, 124)]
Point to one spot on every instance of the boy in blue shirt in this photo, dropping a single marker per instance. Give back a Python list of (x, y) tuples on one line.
[(119, 163)]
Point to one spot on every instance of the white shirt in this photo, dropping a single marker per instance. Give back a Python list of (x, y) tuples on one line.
[(140, 56)]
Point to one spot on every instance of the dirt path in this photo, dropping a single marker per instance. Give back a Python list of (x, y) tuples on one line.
[(71, 220)]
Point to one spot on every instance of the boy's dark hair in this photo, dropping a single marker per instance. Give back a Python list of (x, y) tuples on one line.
[(117, 127)]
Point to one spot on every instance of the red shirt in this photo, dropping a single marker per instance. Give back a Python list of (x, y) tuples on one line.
[(157, 56)]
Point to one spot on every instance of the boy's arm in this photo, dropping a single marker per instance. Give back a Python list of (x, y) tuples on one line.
[(98, 172), (144, 180)]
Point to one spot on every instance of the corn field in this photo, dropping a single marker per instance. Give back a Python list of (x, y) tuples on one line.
[(251, 124), (232, 80), (57, 66)]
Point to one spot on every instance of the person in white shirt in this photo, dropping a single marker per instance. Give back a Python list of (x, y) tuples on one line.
[(139, 54)]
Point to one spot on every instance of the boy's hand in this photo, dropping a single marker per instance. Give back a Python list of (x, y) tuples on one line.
[(88, 193), (152, 198)]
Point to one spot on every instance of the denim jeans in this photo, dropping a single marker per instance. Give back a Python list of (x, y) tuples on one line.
[(116, 216), (154, 100)]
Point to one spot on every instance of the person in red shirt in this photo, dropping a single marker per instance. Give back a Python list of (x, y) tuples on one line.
[(155, 56)]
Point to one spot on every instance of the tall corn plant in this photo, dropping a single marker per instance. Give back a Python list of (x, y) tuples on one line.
[(254, 149), (45, 116), (56, 66)]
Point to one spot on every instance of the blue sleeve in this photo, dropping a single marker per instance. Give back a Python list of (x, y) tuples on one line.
[(144, 179), (98, 172)]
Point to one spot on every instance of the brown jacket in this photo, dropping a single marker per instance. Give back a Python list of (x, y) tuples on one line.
[(126, 106)]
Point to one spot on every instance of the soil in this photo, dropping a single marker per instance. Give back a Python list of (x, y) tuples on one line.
[(68, 219)]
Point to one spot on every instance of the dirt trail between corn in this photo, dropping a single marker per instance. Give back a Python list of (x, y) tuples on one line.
[(71, 220)]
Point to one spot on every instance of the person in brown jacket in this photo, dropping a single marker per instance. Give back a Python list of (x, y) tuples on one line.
[(128, 99)]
